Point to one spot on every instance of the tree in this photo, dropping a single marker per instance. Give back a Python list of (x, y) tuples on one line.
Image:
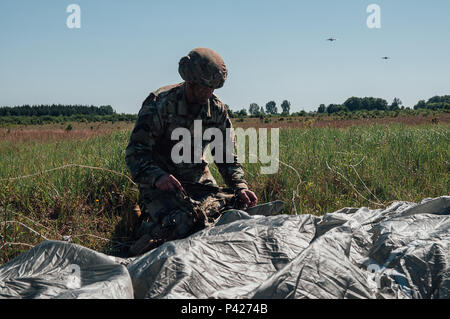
[(366, 103), (322, 108), (381, 104), (335, 108), (286, 107), (242, 113), (254, 109), (271, 108), (230, 112), (261, 111), (396, 103), (354, 103), (434, 103)]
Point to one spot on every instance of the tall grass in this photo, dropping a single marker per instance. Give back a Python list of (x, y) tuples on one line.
[(359, 166), (74, 201), (321, 170)]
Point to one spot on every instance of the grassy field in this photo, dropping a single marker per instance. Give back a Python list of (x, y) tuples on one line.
[(322, 169)]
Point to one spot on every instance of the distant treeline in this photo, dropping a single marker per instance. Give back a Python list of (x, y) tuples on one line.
[(370, 103), (55, 110), (353, 104), (57, 113), (47, 119), (435, 103), (357, 104)]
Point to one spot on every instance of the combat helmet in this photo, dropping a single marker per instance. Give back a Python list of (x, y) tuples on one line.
[(203, 66)]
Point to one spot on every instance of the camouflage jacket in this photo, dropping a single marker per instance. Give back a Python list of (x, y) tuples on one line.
[(148, 155)]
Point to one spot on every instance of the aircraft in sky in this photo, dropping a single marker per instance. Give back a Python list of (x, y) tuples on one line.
[(385, 58), (331, 39)]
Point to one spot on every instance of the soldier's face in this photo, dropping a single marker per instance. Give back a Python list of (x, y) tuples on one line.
[(199, 93)]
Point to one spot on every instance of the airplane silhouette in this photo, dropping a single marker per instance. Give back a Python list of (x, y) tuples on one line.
[(332, 39), (385, 58)]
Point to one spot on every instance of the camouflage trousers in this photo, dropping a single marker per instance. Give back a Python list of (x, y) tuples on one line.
[(174, 214), (170, 215)]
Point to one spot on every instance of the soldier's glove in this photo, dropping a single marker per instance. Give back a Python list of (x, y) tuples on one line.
[(247, 197)]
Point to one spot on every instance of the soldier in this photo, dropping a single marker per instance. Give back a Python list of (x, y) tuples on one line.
[(148, 155)]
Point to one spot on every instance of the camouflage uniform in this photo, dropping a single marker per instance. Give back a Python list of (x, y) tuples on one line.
[(148, 155)]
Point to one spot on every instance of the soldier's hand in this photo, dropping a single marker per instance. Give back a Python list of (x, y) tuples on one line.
[(247, 197), (168, 182)]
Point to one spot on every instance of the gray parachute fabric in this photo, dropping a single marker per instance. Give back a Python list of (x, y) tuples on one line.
[(398, 252), (56, 269)]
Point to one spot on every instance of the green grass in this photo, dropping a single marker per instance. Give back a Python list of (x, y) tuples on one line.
[(360, 166), (321, 170)]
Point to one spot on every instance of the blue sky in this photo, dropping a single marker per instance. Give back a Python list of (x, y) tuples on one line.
[(274, 50)]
